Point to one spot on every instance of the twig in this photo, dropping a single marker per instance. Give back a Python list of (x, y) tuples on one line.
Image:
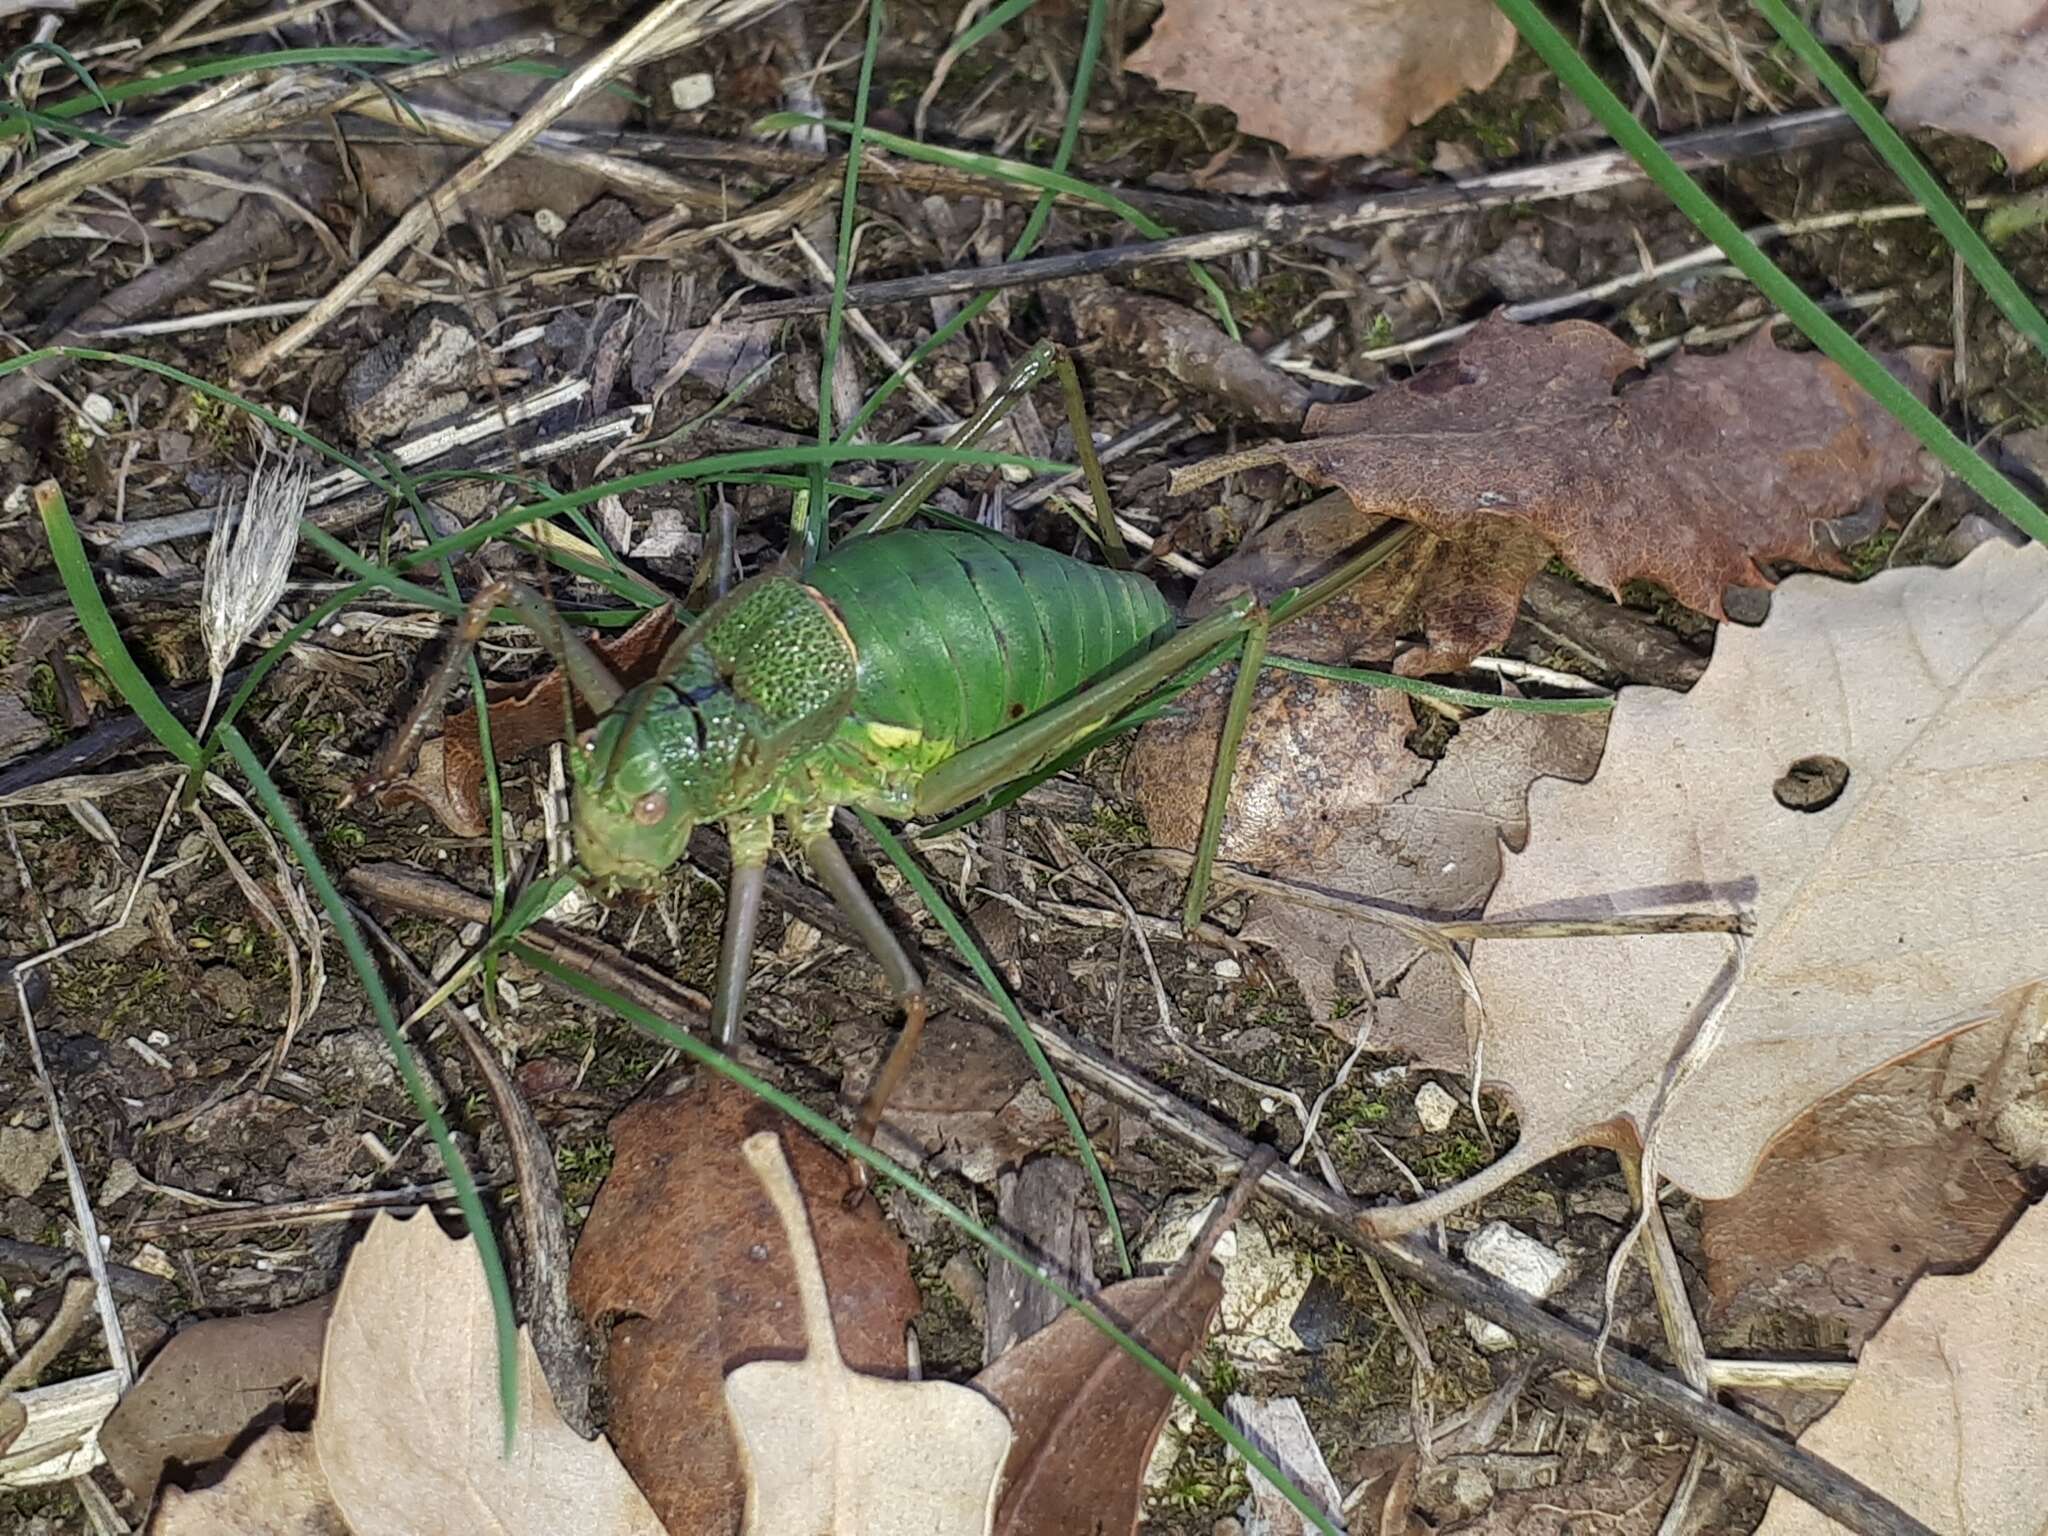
[(300, 1213), (253, 234), (1282, 226), (670, 25), (1827, 1488), (285, 98), (1459, 931), (118, 1355)]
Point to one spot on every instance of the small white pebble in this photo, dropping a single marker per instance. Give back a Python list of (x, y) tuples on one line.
[(97, 409), (158, 1038), (692, 93), (24, 1293), (1522, 1262), (1268, 1105), (1434, 1108), (550, 223), (1228, 969)]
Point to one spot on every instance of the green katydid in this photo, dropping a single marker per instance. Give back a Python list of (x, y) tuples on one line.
[(908, 673)]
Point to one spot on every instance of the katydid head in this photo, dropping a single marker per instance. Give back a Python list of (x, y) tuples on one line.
[(635, 806)]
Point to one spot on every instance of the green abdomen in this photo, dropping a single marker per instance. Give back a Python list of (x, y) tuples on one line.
[(961, 635)]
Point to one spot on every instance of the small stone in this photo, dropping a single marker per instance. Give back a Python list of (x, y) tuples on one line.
[(1435, 1108), (122, 1179), (26, 1158), (1450, 1495), (152, 1260), (1522, 1262), (692, 93), (1228, 969), (98, 410), (414, 378), (549, 222), (962, 1276)]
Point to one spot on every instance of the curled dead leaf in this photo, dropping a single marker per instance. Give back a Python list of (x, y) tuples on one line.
[(449, 777)]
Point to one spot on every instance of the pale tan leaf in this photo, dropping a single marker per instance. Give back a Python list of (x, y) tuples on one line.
[(827, 1449), (1948, 1414), (1327, 77), (274, 1488), (1975, 67), (1904, 911), (409, 1433)]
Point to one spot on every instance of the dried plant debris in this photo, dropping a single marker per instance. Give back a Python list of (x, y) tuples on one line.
[(449, 777), (1152, 336), (1527, 443), (210, 1386), (1975, 67), (1327, 78), (679, 1257), (1945, 1415), (1328, 795), (1893, 1177), (1925, 686), (409, 1434)]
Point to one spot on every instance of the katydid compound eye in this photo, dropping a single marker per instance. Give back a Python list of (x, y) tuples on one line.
[(651, 809)]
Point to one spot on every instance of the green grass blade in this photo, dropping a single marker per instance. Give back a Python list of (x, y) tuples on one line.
[(1034, 225), (1999, 285), (351, 937), (98, 624), (1055, 1090), (986, 28), (817, 507), (836, 1138), (1685, 193)]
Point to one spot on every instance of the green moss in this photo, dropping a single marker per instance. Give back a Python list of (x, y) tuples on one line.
[(583, 1166)]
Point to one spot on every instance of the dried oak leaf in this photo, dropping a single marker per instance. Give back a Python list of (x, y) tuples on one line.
[(827, 1448), (680, 1257), (1945, 1415), (1906, 910), (1327, 78), (449, 777), (410, 1436), (1526, 441), (1874, 1186), (1975, 67), (1086, 1414), (274, 1488), (209, 1386)]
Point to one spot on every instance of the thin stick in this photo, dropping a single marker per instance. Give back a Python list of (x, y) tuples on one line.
[(672, 24), (302, 1213), (1460, 931), (286, 98), (1282, 226), (81, 1204)]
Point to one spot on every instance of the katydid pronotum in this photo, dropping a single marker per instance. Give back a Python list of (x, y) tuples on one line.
[(908, 672)]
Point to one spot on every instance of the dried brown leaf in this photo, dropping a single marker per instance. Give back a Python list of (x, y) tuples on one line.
[(1976, 67), (273, 1489), (679, 1256), (1869, 1190), (1086, 1414), (449, 778), (1945, 1415), (209, 1386), (1327, 77), (826, 1448), (1910, 908), (1690, 478), (410, 1436)]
